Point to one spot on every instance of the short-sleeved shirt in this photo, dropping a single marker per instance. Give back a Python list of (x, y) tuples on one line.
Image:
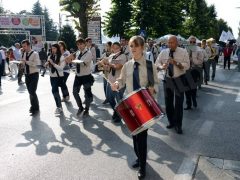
[(85, 67), (118, 58), (180, 55), (126, 76)]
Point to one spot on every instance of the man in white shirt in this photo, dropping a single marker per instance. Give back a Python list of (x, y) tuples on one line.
[(125, 48), (91, 48), (153, 49), (18, 55), (193, 74), (2, 51), (175, 62), (30, 60), (207, 54), (83, 77)]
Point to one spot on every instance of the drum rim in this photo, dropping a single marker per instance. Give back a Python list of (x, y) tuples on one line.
[(128, 95), (145, 125)]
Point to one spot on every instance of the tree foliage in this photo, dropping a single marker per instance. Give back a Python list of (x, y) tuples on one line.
[(50, 29), (83, 10), (68, 36), (160, 17), (117, 21)]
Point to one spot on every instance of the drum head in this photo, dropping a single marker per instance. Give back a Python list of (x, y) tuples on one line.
[(147, 125)]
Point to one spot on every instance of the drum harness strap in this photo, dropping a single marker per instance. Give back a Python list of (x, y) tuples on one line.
[(150, 73)]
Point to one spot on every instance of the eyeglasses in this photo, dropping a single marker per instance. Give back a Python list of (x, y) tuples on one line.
[(192, 42)]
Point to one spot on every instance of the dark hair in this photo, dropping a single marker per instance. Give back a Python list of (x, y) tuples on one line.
[(109, 43), (26, 41), (63, 44), (58, 53), (80, 41), (88, 39), (117, 44), (137, 40)]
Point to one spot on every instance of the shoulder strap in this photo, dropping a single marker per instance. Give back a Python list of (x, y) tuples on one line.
[(150, 73), (81, 55)]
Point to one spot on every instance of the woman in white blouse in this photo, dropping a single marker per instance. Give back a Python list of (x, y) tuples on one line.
[(56, 63)]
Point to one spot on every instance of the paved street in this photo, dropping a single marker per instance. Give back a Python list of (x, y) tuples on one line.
[(69, 148)]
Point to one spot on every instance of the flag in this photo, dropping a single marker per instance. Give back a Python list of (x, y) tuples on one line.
[(224, 36)]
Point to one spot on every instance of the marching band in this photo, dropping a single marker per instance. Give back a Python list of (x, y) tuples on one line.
[(130, 80)]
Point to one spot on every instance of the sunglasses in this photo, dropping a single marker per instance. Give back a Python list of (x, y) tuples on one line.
[(192, 42)]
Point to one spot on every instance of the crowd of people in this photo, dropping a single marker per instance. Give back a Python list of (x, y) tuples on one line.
[(124, 67)]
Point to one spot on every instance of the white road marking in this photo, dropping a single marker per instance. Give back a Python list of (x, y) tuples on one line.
[(19, 98), (238, 97), (186, 170), (206, 128), (219, 105)]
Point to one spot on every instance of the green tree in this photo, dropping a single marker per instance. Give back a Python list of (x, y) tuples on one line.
[(83, 10), (68, 36), (36, 10), (51, 29), (117, 21), (161, 17)]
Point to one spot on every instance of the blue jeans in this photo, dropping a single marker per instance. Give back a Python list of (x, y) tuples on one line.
[(55, 83), (113, 96)]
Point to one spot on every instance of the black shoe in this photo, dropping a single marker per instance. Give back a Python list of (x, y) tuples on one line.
[(206, 83), (195, 104), (117, 120), (141, 173), (80, 110), (105, 101), (20, 82), (114, 116), (178, 130), (170, 126), (34, 112), (187, 108), (212, 78), (85, 113), (135, 164)]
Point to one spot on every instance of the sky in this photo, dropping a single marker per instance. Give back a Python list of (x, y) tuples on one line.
[(225, 10)]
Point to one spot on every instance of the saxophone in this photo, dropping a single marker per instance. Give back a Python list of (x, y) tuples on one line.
[(213, 53)]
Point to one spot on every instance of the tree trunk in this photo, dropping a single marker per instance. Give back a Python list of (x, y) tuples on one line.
[(83, 24)]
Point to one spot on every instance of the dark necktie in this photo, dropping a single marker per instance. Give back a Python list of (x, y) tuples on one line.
[(27, 66), (52, 68), (136, 81), (190, 57), (78, 65), (170, 66)]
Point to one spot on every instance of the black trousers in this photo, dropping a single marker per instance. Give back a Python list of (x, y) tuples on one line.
[(227, 60), (86, 82), (31, 83), (55, 83), (0, 74), (64, 88), (174, 104), (140, 147), (191, 94), (20, 72), (3, 68)]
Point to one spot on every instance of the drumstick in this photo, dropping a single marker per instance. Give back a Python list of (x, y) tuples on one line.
[(107, 80)]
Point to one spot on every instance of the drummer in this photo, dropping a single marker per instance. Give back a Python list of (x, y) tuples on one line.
[(113, 65), (134, 75), (83, 76)]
